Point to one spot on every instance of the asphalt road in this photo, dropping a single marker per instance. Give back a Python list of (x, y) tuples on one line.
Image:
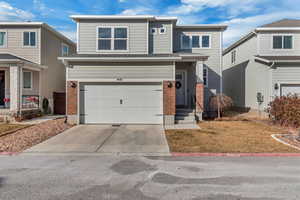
[(85, 177)]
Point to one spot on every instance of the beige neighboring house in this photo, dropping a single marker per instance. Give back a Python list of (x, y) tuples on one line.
[(142, 69), (29, 69), (265, 64)]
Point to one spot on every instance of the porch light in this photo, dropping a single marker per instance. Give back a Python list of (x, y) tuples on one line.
[(73, 85), (170, 84), (276, 86)]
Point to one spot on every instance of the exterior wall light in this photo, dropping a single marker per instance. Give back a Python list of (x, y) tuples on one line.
[(73, 85), (276, 86), (170, 84)]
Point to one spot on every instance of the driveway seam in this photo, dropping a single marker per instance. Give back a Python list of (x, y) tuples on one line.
[(101, 145)]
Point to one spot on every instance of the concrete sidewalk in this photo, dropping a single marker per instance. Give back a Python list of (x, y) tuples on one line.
[(127, 139)]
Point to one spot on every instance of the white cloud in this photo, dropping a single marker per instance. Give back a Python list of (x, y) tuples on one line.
[(10, 13), (242, 26), (42, 8), (136, 11), (72, 35)]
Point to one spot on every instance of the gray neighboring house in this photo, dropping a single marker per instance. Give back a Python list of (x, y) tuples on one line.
[(29, 68), (142, 69), (266, 63)]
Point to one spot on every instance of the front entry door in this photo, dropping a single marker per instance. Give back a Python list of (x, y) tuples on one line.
[(2, 87), (180, 88)]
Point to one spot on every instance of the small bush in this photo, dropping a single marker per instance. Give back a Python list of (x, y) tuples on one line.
[(221, 100), (285, 110)]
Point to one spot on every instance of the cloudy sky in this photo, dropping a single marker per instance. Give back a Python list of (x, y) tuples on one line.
[(241, 15)]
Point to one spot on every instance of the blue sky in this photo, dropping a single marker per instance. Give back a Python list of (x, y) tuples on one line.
[(241, 15)]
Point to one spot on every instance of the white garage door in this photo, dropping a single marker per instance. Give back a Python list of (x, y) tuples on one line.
[(122, 103), (290, 89)]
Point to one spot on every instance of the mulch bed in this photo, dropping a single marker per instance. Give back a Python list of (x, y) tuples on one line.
[(28, 137)]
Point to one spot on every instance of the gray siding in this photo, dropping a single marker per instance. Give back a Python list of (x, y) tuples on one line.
[(161, 43), (15, 43), (137, 35), (112, 71), (266, 44)]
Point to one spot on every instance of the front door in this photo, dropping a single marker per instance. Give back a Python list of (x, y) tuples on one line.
[(180, 88), (2, 87)]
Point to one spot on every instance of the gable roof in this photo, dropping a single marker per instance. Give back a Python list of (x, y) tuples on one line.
[(284, 23)]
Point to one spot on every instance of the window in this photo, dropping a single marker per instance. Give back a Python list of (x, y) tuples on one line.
[(65, 50), (195, 41), (282, 42), (2, 39), (112, 38), (233, 56), (29, 39), (205, 76), (27, 80), (205, 41), (162, 30), (153, 31)]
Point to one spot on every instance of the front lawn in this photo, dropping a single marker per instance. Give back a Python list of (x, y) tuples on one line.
[(227, 137)]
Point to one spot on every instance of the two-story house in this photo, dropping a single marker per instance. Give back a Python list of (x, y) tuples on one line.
[(263, 64), (142, 70), (29, 69)]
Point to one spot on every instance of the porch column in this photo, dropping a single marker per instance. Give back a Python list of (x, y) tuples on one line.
[(199, 87), (15, 87)]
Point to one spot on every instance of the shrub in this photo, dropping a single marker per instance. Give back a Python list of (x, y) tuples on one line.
[(285, 110), (220, 103)]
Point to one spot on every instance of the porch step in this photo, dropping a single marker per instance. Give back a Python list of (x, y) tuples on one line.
[(185, 116), (185, 121)]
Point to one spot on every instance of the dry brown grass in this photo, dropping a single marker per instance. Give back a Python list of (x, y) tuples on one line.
[(6, 128), (228, 137)]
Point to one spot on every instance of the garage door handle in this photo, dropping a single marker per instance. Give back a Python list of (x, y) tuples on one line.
[(121, 101)]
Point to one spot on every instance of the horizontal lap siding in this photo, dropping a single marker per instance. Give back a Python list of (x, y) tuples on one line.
[(125, 71), (286, 74), (161, 43), (137, 35)]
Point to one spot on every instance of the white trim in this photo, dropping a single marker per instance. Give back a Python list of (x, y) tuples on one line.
[(76, 17), (219, 26), (278, 29), (36, 39), (62, 49), (282, 35), (119, 58), (5, 45), (221, 63), (148, 40), (31, 80), (200, 35), (183, 71), (171, 33), (112, 39), (118, 81)]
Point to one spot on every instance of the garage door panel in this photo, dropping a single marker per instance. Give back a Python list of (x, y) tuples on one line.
[(290, 89), (132, 103)]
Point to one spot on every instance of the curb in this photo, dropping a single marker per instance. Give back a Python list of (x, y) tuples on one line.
[(8, 153), (236, 154)]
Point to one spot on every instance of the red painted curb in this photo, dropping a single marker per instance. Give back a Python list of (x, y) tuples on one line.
[(8, 153), (236, 154)]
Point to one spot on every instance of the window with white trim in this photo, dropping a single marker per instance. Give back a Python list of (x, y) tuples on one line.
[(2, 39), (233, 56), (153, 31), (162, 30), (29, 39), (282, 42), (27, 80), (64, 50), (110, 38), (205, 76), (195, 41)]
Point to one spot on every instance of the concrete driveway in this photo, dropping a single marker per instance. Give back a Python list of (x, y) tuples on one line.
[(138, 139)]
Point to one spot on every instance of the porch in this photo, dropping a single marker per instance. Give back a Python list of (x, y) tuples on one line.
[(20, 85)]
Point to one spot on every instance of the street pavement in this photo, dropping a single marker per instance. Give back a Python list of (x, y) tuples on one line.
[(110, 177)]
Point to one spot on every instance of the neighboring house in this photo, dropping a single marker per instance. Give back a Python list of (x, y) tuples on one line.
[(29, 69), (141, 70), (263, 64)]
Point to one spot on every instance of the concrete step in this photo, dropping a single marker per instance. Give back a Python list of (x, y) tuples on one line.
[(184, 117), (185, 114), (185, 121)]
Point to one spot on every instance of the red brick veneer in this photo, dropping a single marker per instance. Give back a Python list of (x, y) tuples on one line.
[(199, 97), (169, 98), (72, 98)]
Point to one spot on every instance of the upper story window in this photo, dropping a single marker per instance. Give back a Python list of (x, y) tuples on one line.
[(205, 76), (153, 31), (29, 39), (110, 38), (27, 80), (162, 30), (64, 50), (2, 39), (195, 41), (233, 56), (282, 42)]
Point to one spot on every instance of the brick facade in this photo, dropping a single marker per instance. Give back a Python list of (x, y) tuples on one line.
[(199, 97), (169, 98), (72, 98)]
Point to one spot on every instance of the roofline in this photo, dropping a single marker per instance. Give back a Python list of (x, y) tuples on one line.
[(239, 42), (220, 26), (149, 17), (41, 24), (278, 29), (276, 61)]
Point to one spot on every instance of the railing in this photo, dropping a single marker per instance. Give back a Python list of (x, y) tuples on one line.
[(30, 101)]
